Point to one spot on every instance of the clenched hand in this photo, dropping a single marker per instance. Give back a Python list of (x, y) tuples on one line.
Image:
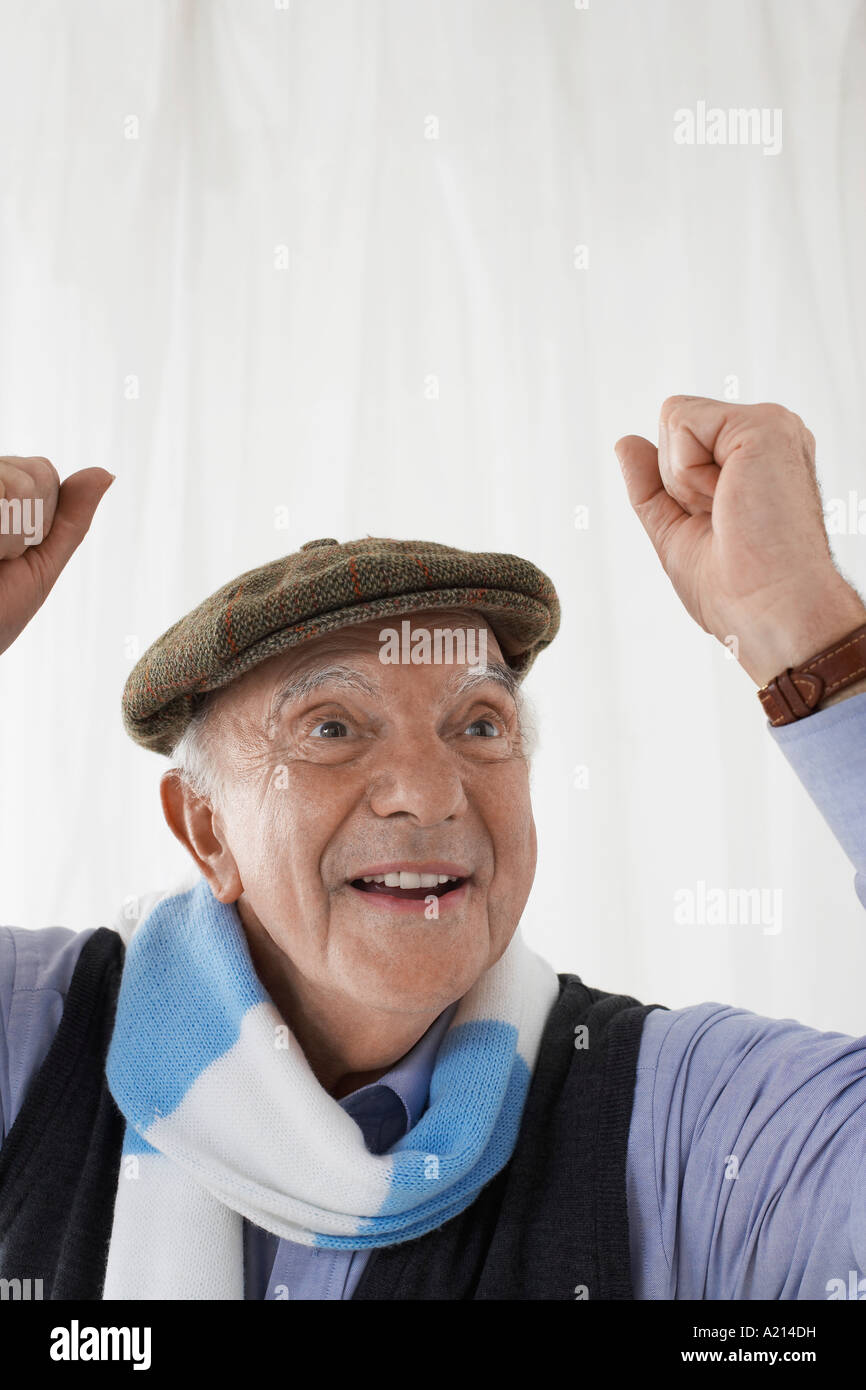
[(731, 503), (42, 522)]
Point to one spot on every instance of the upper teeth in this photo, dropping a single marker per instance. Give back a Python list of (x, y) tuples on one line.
[(406, 880)]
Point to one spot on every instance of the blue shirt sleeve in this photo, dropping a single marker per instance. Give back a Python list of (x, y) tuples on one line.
[(35, 970), (747, 1149), (747, 1158), (827, 751)]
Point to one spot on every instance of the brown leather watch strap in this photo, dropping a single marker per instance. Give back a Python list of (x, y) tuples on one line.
[(799, 690)]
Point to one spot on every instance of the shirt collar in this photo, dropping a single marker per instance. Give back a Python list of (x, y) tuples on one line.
[(409, 1078)]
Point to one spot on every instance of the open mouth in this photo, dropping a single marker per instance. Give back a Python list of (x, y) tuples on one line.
[(412, 888), (409, 886)]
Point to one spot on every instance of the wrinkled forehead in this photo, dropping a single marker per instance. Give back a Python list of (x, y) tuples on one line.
[(460, 641)]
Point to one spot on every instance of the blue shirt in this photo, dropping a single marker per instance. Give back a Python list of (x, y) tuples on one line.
[(746, 1169)]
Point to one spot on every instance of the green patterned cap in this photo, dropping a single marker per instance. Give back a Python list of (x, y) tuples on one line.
[(320, 588)]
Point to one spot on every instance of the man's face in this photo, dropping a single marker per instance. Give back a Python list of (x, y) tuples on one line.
[(339, 768)]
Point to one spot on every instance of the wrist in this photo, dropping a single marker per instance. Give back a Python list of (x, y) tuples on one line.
[(790, 635)]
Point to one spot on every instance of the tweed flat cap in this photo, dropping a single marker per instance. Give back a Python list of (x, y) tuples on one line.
[(322, 587)]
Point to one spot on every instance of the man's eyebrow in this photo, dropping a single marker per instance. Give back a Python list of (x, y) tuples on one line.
[(496, 671), (303, 683)]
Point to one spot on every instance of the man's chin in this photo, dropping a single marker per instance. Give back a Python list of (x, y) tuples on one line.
[(398, 959)]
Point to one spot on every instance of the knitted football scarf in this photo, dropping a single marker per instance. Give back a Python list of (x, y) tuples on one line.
[(225, 1119)]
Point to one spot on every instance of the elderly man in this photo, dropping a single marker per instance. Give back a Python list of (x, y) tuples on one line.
[(331, 1068)]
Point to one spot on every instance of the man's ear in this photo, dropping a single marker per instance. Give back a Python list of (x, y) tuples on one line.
[(195, 823)]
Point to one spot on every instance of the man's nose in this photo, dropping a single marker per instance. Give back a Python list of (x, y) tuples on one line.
[(418, 775)]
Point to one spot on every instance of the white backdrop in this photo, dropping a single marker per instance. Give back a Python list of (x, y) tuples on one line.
[(317, 263)]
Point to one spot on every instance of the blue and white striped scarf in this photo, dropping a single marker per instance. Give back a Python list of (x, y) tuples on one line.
[(226, 1120)]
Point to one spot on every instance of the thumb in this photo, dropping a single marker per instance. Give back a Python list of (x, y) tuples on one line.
[(77, 500), (659, 513)]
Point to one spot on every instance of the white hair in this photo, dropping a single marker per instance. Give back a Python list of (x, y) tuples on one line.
[(194, 756), (527, 718)]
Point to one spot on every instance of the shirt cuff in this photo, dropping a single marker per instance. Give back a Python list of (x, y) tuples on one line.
[(827, 750)]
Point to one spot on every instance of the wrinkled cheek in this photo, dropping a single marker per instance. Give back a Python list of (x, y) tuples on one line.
[(265, 849), (288, 842), (515, 868)]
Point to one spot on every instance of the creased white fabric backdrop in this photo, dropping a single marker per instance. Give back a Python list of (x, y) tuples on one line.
[(310, 271)]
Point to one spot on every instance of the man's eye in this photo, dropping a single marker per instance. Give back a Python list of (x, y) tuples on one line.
[(331, 728), (491, 730)]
